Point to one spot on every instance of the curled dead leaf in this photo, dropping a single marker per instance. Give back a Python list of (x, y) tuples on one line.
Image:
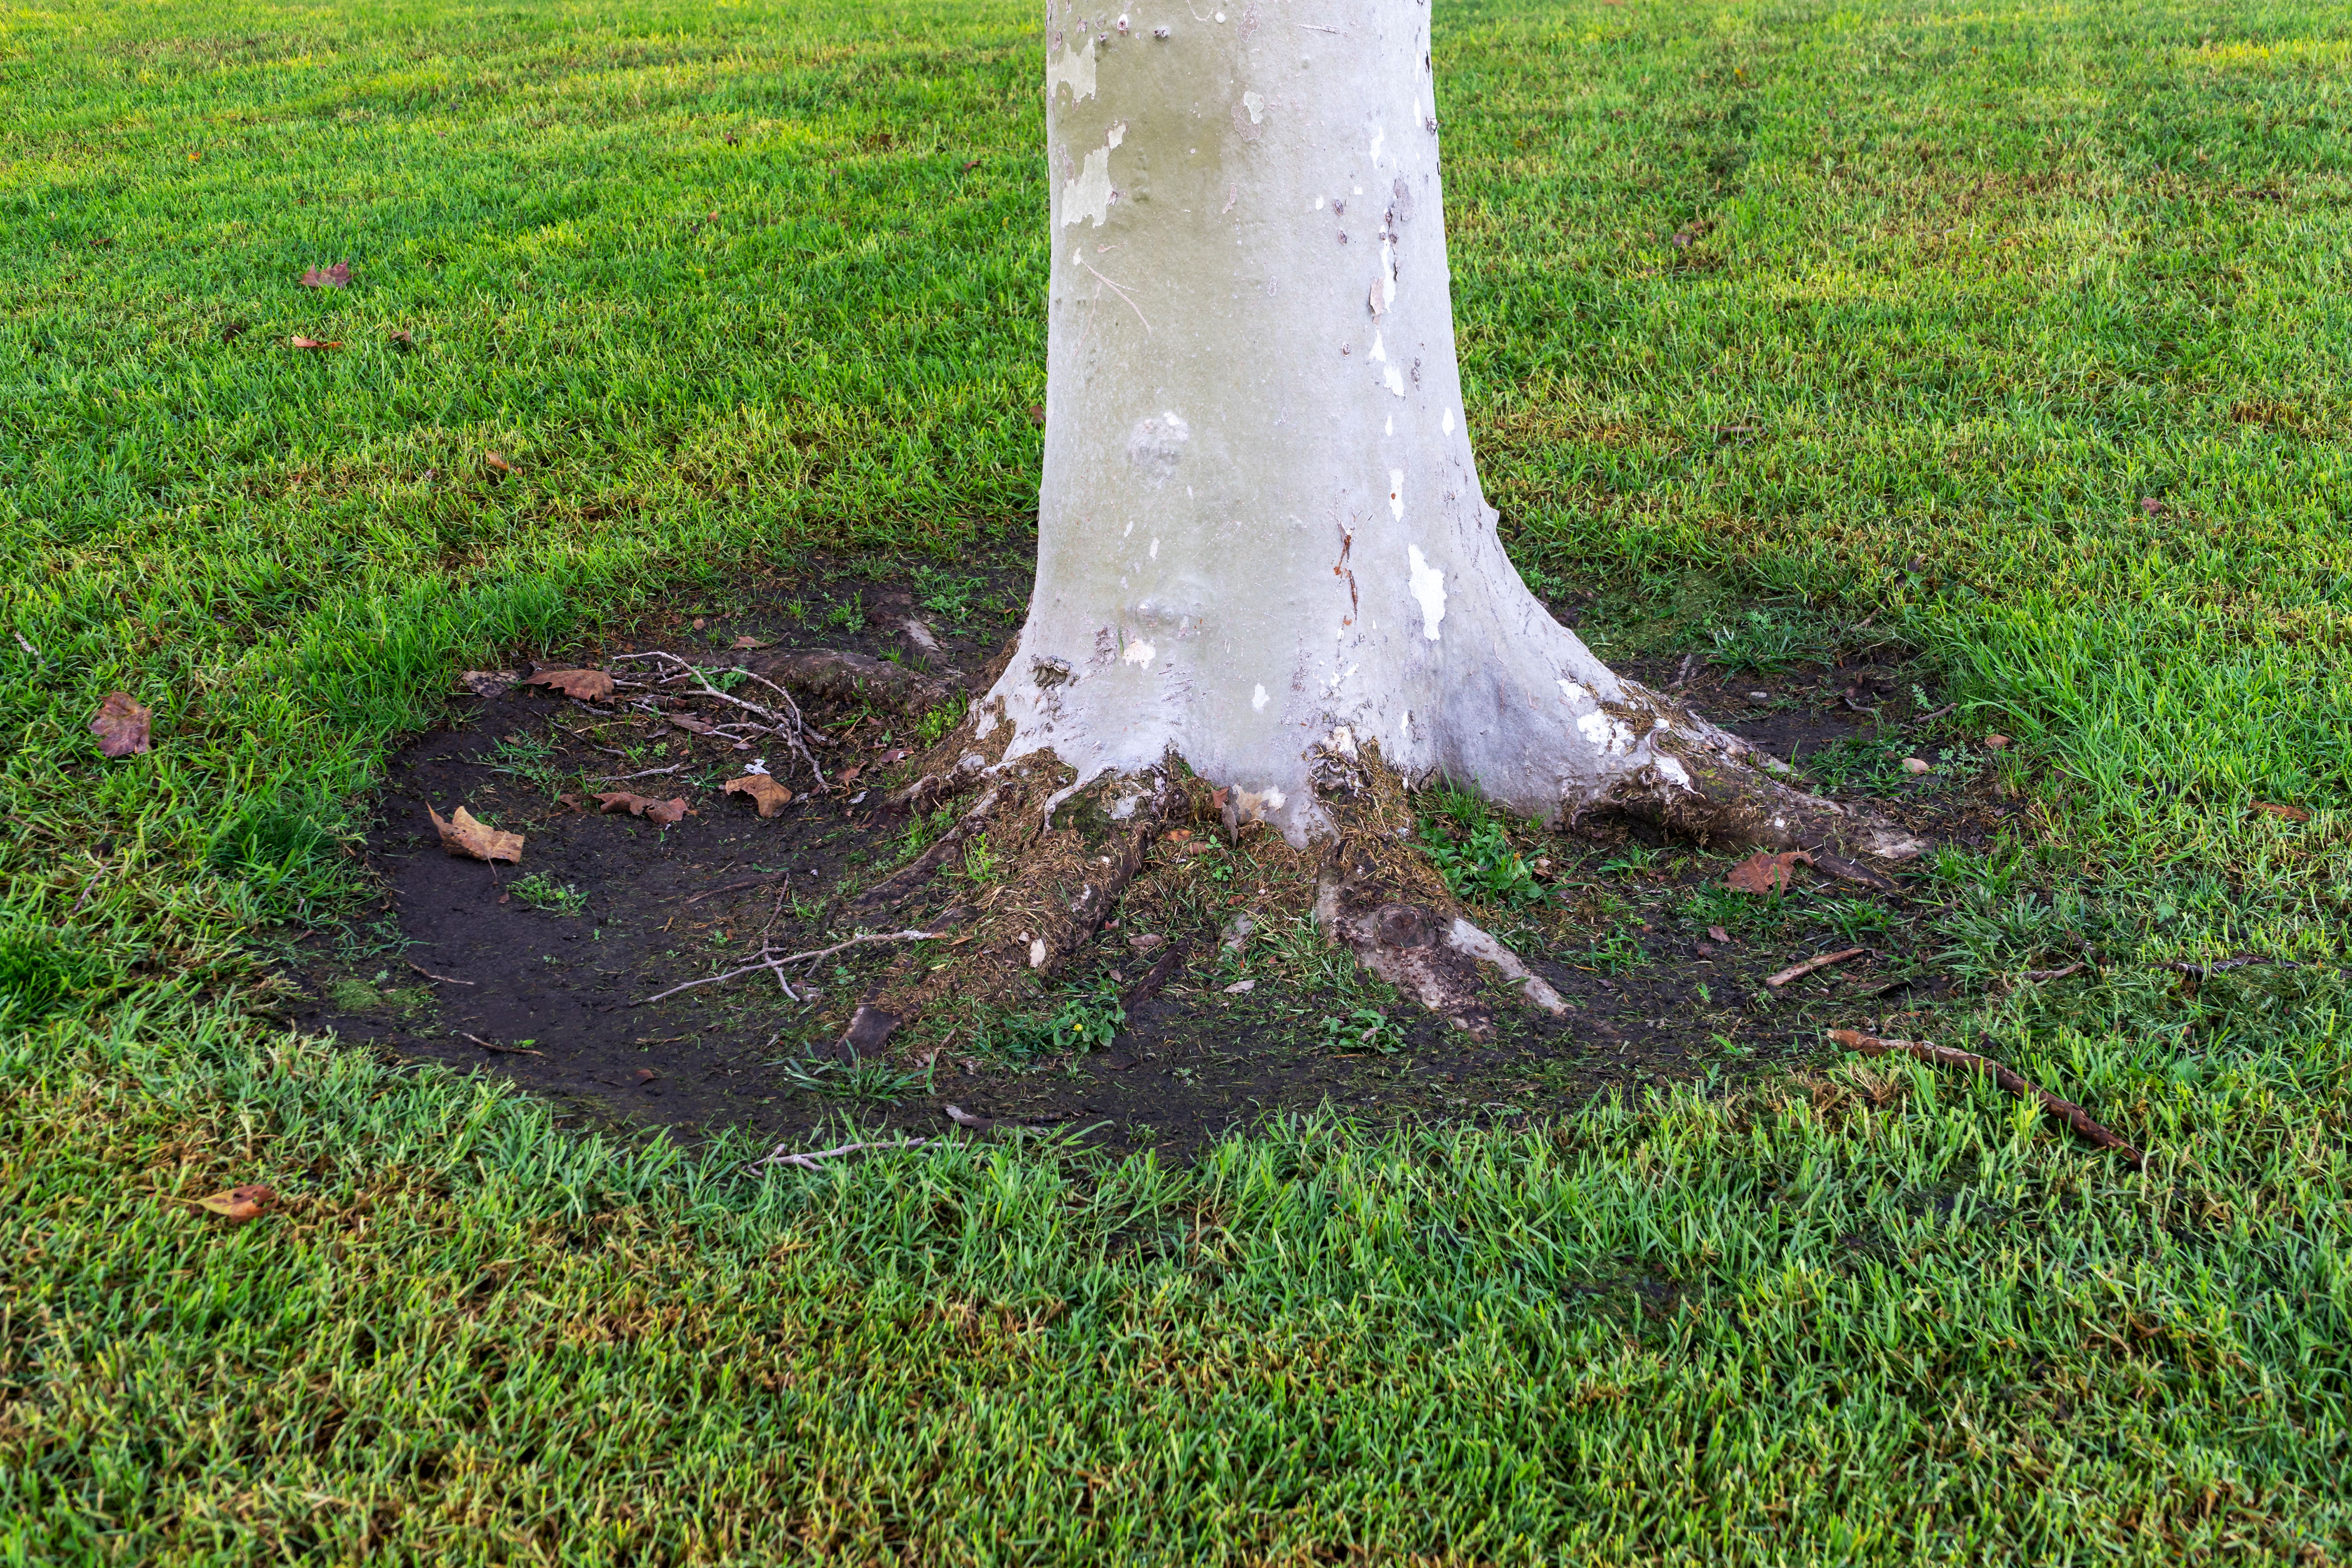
[(463, 833), (1766, 873), (2287, 813), (338, 276), (849, 772), (765, 792), (588, 685), (121, 726), (1718, 934), (748, 641), (497, 463), (312, 343), (240, 1204), (666, 813)]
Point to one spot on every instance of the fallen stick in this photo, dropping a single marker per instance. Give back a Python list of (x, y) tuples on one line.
[(777, 964), (767, 881), (2073, 1115), (502, 1050), (444, 979), (2070, 971), (779, 1155), (1798, 971)]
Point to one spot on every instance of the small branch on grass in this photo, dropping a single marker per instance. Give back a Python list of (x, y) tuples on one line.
[(1798, 971), (2072, 969), (444, 979), (766, 881), (790, 725), (641, 774), (502, 1050), (781, 1156), (769, 960), (2073, 1115), (1924, 718)]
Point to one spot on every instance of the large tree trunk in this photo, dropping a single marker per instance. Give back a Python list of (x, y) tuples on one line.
[(1260, 520)]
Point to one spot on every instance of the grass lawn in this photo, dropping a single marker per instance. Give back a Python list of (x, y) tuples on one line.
[(2024, 331)]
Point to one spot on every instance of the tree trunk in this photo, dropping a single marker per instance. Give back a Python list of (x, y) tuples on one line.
[(1260, 529)]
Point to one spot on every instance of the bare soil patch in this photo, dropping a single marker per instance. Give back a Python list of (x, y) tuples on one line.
[(1168, 1028)]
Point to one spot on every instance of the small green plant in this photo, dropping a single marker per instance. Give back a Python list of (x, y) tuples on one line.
[(868, 1079), (1632, 858), (1769, 642), (849, 614), (982, 862), (1089, 1017), (933, 726), (945, 593), (1473, 852), (541, 893), (526, 757), (1614, 955), (1855, 919), (923, 829), (1364, 1029)]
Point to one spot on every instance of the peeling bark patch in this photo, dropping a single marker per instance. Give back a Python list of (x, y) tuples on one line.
[(1258, 698), (1428, 586), (1077, 67), (1090, 196), (1140, 652)]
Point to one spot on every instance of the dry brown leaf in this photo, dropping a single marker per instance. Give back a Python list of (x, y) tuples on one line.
[(763, 791), (691, 726), (312, 343), (895, 754), (239, 1204), (588, 685), (338, 276), (748, 641), (2289, 812), (121, 725), (1766, 873), (1720, 935), (848, 773), (666, 813), (462, 835), (498, 463), (486, 682)]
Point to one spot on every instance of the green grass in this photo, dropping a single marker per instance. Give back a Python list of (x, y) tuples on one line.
[(2022, 333)]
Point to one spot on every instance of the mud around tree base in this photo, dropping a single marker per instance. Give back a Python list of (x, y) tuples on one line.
[(463, 968)]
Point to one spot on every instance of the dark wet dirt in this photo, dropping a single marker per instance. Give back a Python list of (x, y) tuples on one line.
[(541, 972)]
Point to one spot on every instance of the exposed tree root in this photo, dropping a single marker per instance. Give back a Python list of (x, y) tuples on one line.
[(2073, 1115), (1730, 800)]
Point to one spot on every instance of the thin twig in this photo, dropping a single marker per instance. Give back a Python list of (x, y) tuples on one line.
[(2073, 1115), (768, 880), (1924, 718), (1798, 971), (502, 1050), (779, 1156), (2072, 969), (767, 961), (641, 774), (445, 979)]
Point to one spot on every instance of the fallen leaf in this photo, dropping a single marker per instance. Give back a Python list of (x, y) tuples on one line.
[(895, 754), (1178, 836), (312, 343), (121, 725), (1996, 741), (1038, 414), (1915, 765), (588, 685), (401, 338), (1717, 934), (102, 244), (968, 168), (763, 791), (2291, 813), (699, 623), (497, 463), (239, 1204), (1145, 942), (571, 803), (1217, 796), (666, 813), (1241, 987), (748, 640), (691, 726), (849, 772), (1766, 873), (647, 1075), (1704, 949), (462, 834), (486, 682), (338, 276)]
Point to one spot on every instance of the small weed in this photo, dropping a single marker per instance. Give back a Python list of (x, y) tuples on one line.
[(1089, 1018), (526, 757), (1632, 858), (1473, 852), (1855, 919), (849, 614), (933, 727), (540, 893), (945, 593), (923, 829), (1364, 1029), (1615, 953), (1769, 642), (982, 861), (866, 1080)]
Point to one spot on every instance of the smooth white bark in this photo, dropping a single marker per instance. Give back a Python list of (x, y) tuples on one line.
[(1260, 521)]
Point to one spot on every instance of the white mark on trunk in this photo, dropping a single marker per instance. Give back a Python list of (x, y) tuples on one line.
[(1429, 587), (1156, 444), (1391, 426), (1396, 504), (1612, 735), (1140, 652), (1379, 140), (1404, 727), (1255, 104), (1395, 379), (1318, 203), (1446, 423), (1388, 273), (1089, 196), (1155, 550), (1379, 350), (1075, 67), (1258, 698)]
